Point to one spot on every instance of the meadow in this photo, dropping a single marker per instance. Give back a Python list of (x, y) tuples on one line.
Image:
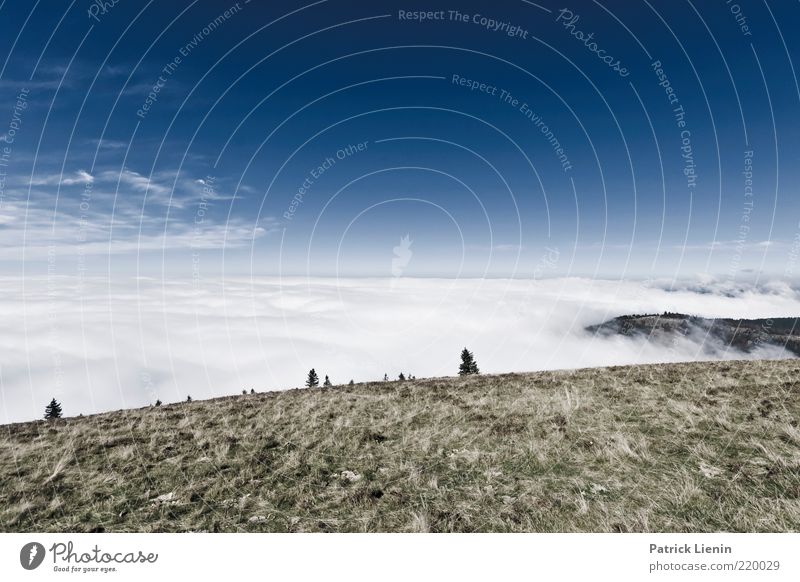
[(699, 447)]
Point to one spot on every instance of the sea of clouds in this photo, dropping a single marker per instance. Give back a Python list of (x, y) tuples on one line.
[(100, 345)]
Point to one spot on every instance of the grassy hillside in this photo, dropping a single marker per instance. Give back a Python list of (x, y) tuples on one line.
[(698, 447)]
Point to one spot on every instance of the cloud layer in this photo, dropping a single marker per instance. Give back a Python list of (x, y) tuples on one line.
[(98, 345)]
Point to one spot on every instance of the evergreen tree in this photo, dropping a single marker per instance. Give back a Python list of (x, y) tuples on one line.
[(158, 402), (252, 391), (386, 377), (244, 391), (313, 379), (401, 377), (468, 364), (351, 383), (52, 410), (327, 382), (188, 398)]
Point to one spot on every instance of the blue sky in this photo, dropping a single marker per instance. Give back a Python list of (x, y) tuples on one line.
[(364, 108)]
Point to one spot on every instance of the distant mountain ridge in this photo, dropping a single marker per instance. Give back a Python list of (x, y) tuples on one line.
[(745, 335)]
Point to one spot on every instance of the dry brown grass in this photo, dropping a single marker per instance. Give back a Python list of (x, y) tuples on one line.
[(679, 447)]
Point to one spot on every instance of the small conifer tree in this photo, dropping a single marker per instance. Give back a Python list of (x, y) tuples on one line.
[(401, 377), (313, 379), (468, 364), (158, 402), (188, 398), (327, 382), (351, 383), (52, 410)]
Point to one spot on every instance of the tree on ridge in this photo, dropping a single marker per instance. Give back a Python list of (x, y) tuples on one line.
[(52, 410), (468, 364)]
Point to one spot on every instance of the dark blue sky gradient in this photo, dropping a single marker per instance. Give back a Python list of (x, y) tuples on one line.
[(260, 102)]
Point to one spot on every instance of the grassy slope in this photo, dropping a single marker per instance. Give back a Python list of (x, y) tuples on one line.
[(698, 447)]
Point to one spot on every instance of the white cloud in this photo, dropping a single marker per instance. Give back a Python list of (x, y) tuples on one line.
[(29, 232), (138, 182), (69, 179), (97, 345), (35, 224)]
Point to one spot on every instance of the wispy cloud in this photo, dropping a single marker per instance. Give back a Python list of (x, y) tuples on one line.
[(32, 232), (150, 213), (77, 177)]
